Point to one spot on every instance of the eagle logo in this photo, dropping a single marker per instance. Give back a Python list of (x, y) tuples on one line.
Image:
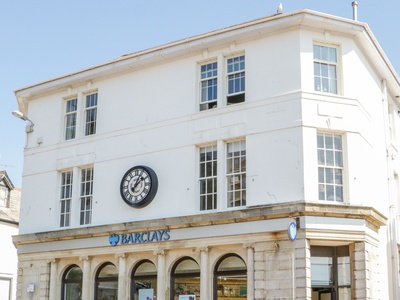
[(113, 239)]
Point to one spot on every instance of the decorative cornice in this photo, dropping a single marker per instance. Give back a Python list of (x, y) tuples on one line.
[(269, 212)]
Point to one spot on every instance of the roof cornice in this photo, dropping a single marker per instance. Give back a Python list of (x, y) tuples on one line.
[(216, 38)]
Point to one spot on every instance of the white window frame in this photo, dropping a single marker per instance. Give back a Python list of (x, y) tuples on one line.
[(236, 173), (76, 196), (84, 116), (208, 83), (324, 81), (91, 100), (70, 119), (236, 74), (331, 171), (66, 196), (86, 196), (208, 177)]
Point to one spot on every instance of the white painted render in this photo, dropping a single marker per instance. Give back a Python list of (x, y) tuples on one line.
[(148, 114)]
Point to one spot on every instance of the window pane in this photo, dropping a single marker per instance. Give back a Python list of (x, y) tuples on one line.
[(332, 55), (317, 53), (329, 175), (321, 157), (329, 158), (344, 270), (338, 176), (339, 193), (330, 193), (321, 271), (317, 70)]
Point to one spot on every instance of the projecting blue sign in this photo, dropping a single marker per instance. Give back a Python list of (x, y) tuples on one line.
[(292, 230), (139, 237)]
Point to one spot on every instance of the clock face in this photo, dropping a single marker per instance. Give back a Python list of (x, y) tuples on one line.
[(139, 186)]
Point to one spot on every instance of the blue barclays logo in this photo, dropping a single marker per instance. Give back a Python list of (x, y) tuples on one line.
[(139, 237)]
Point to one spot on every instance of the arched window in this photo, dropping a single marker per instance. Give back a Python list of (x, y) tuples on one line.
[(185, 278), (230, 278), (106, 282), (144, 277), (71, 288)]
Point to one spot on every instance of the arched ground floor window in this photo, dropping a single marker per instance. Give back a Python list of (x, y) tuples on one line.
[(230, 278), (144, 280), (185, 278), (71, 287), (106, 282)]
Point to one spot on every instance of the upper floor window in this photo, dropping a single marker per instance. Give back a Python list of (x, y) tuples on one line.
[(208, 82), (236, 79), (86, 196), (325, 69), (330, 167), (65, 198), (80, 116), (235, 82), (90, 114), (4, 196), (208, 177), (236, 173), (69, 199)]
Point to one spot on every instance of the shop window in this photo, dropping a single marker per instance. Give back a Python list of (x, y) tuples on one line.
[(106, 286), (330, 273), (230, 278), (144, 281), (185, 279), (72, 283)]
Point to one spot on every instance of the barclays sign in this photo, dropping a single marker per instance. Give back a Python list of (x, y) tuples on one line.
[(139, 237)]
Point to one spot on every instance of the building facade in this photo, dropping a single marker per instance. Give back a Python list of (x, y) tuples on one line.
[(258, 161), (9, 218)]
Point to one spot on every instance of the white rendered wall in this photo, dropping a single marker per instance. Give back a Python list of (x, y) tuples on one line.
[(150, 117)]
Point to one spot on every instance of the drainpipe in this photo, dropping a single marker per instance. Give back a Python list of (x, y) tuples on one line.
[(392, 226)]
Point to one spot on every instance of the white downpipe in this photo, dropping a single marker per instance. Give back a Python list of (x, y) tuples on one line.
[(392, 226)]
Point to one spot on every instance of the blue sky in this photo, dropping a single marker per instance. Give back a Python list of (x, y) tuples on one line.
[(44, 39)]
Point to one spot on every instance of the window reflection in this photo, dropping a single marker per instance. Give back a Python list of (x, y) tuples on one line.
[(72, 283)]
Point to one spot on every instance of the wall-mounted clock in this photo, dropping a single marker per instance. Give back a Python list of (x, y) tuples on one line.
[(139, 186)]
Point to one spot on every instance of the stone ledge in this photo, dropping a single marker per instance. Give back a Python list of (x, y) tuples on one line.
[(266, 212)]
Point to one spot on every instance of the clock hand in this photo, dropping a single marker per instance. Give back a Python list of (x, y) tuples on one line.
[(138, 180)]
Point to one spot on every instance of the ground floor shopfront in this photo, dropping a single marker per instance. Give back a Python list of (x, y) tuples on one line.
[(333, 253)]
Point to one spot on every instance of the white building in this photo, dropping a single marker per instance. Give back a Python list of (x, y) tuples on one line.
[(258, 161), (9, 216)]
